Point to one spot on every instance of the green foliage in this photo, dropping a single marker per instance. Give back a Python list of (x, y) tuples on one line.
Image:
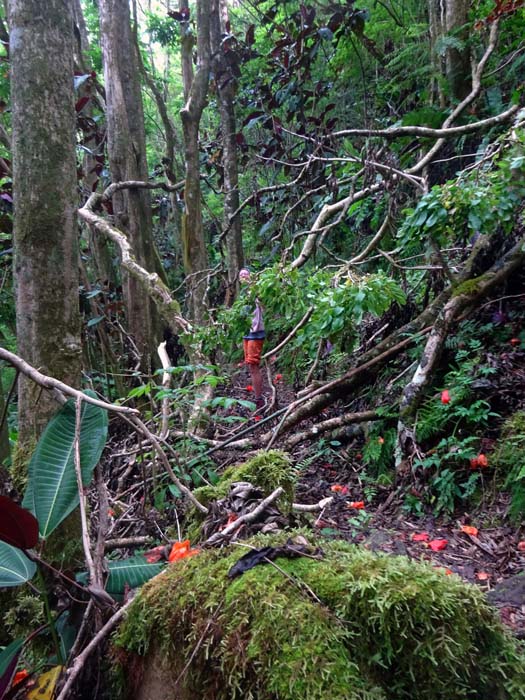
[(351, 625), (52, 491), (509, 460), (339, 305), (15, 567), (480, 201)]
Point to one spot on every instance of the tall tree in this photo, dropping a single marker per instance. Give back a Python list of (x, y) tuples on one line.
[(45, 196), (448, 26), (194, 250), (127, 162), (225, 69)]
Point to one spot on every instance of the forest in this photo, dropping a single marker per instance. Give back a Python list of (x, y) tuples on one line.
[(262, 349)]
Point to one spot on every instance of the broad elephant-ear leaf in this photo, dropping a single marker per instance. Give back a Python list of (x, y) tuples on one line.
[(8, 661), (52, 491), (131, 572), (15, 567), (18, 526)]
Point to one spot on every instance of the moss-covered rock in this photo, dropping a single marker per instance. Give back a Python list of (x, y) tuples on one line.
[(353, 625), (266, 470)]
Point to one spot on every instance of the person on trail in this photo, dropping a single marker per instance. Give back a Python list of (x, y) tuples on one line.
[(253, 343)]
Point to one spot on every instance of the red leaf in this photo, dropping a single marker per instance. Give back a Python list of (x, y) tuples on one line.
[(420, 537), (358, 505), (153, 555), (437, 545), (181, 550), (18, 527), (469, 530), (445, 396), (81, 103)]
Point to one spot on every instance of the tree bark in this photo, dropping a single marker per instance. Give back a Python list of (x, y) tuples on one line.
[(226, 83), (45, 195), (195, 255), (127, 161)]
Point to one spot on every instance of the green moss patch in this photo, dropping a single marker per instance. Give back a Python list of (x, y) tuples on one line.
[(353, 625)]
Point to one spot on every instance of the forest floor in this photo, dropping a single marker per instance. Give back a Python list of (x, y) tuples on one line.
[(489, 553)]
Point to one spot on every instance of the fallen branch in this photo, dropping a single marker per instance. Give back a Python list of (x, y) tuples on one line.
[(245, 518), (80, 660)]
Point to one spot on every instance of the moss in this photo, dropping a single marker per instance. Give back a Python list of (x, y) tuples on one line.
[(470, 286), (353, 625), (21, 457), (266, 470)]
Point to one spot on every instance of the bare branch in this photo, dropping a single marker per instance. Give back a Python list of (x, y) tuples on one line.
[(58, 386)]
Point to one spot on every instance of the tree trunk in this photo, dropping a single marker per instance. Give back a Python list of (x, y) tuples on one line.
[(450, 18), (45, 195), (5, 451), (194, 251), (127, 161), (226, 83)]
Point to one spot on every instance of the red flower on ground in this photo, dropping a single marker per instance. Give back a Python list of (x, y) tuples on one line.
[(515, 341), (257, 418), (181, 550), (438, 545), (249, 387), (277, 378), (358, 505), (339, 488), (420, 537), (381, 440), (469, 530), (445, 396)]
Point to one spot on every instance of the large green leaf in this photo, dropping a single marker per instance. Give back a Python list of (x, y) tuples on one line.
[(8, 661), (132, 572), (52, 491), (15, 567)]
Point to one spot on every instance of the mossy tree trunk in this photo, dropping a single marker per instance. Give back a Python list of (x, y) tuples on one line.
[(448, 19), (45, 196), (226, 73), (127, 161), (5, 451), (195, 254)]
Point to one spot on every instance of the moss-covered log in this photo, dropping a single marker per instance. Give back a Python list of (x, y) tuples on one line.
[(350, 625)]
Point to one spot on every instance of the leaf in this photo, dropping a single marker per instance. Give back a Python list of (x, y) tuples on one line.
[(438, 545), (18, 527), (8, 661), (45, 684), (52, 491), (15, 567), (132, 572), (420, 537), (469, 530)]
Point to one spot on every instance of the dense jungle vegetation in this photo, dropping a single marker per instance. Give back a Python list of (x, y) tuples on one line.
[(356, 531)]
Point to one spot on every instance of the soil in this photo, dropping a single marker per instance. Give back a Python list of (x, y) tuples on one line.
[(491, 556)]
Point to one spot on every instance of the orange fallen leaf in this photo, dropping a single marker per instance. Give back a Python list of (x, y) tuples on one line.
[(482, 575), (339, 488), (420, 537), (438, 545), (153, 555), (358, 505), (181, 550), (469, 530), (20, 676)]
